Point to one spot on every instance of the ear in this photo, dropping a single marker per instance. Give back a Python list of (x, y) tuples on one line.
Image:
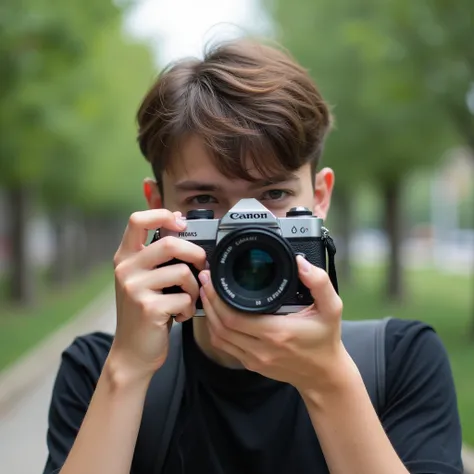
[(323, 186), (152, 194)]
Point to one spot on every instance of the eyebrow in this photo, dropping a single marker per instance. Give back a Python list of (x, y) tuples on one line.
[(202, 186)]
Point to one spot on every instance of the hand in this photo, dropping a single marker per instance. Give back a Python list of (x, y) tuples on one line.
[(143, 311), (303, 349)]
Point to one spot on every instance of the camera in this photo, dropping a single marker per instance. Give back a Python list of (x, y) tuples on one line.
[(252, 255)]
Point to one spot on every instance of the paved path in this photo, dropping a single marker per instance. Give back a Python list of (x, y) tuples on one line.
[(23, 426)]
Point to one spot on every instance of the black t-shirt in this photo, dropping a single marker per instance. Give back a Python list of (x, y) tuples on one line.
[(237, 421)]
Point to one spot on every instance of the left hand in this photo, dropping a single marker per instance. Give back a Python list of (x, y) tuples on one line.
[(303, 349)]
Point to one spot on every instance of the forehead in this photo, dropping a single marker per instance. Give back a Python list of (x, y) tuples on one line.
[(192, 160)]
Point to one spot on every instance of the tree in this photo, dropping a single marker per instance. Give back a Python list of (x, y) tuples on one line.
[(386, 123), (107, 87), (48, 114), (436, 38)]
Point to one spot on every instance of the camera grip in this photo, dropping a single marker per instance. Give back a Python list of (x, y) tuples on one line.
[(208, 247), (314, 250)]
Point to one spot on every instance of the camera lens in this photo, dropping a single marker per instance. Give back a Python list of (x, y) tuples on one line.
[(253, 269)]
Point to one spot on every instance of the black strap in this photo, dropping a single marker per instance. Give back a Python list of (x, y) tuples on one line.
[(365, 342), (162, 404), (331, 250)]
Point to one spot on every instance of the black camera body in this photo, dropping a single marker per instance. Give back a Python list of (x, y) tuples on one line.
[(252, 255)]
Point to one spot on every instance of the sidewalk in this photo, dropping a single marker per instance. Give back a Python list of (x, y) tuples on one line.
[(25, 391)]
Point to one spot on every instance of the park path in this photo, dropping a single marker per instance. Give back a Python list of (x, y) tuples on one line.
[(23, 426)]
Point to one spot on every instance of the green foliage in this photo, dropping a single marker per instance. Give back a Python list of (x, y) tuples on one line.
[(435, 38), (387, 122), (70, 83)]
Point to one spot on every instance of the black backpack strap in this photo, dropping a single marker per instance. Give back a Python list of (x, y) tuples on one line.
[(162, 404), (365, 342)]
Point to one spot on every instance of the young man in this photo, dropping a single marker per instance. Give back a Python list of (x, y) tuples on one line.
[(264, 394)]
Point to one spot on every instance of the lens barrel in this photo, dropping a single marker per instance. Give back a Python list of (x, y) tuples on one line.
[(254, 270)]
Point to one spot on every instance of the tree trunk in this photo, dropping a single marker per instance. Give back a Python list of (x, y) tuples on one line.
[(392, 193), (345, 227), (62, 271), (471, 335), (22, 284), (80, 245)]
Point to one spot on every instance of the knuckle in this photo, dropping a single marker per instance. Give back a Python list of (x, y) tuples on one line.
[(183, 301), (117, 259), (168, 244), (338, 305), (134, 218), (279, 338), (188, 300), (120, 271), (183, 272), (264, 360), (128, 287)]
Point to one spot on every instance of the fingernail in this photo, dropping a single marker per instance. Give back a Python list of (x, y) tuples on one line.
[(203, 278), (207, 265), (181, 223), (305, 266)]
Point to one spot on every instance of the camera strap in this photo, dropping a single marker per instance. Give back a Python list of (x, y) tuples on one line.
[(331, 251)]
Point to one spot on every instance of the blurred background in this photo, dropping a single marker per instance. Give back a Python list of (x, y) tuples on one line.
[(400, 78)]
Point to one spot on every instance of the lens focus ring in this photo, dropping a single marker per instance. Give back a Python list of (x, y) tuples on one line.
[(253, 269)]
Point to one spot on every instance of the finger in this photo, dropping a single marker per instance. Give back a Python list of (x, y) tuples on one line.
[(140, 223), (157, 309), (174, 275), (176, 303), (221, 338), (327, 301), (168, 248), (257, 325)]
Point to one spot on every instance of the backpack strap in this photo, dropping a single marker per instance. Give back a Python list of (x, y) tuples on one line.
[(162, 404), (365, 342)]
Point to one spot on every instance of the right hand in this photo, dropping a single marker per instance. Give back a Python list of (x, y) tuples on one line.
[(144, 313)]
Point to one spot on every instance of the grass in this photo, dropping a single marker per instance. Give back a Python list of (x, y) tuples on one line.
[(444, 301), (22, 328)]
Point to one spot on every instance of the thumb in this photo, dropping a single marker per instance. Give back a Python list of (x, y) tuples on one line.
[(326, 300)]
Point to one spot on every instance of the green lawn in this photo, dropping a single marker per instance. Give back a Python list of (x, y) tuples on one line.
[(443, 301), (21, 329)]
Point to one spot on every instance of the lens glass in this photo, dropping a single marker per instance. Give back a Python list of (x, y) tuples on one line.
[(254, 269)]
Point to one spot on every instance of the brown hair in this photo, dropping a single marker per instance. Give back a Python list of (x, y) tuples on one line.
[(245, 100)]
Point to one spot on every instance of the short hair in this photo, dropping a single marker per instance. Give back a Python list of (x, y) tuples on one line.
[(245, 100)]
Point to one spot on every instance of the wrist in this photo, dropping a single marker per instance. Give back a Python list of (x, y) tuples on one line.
[(121, 375), (340, 379)]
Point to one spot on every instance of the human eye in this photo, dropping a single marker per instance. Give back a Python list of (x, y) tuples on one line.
[(276, 195), (201, 199)]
